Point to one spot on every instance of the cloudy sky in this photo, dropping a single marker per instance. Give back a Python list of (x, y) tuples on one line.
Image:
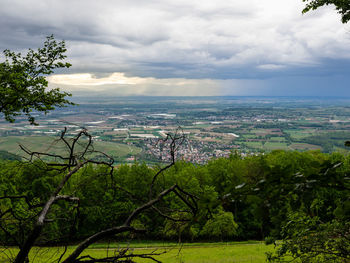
[(187, 47)]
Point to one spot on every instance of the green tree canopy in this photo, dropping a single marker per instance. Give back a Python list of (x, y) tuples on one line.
[(23, 86), (222, 226), (342, 6)]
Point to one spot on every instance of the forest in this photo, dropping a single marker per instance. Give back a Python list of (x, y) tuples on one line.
[(299, 199)]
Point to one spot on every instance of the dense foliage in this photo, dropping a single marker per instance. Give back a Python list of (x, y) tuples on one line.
[(301, 197), (23, 86), (342, 6)]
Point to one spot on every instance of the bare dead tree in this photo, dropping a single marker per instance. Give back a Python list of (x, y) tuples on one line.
[(80, 152), (188, 199), (70, 164)]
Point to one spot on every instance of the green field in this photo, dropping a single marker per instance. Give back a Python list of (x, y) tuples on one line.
[(267, 146), (275, 146), (300, 134), (277, 139), (248, 136), (231, 252), (304, 146), (49, 144)]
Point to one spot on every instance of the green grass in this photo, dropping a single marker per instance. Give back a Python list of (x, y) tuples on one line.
[(304, 146), (254, 144), (269, 146), (300, 134), (260, 131), (277, 139), (231, 252), (249, 136), (275, 146), (49, 144)]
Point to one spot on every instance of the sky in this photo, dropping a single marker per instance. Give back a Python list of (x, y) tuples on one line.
[(186, 47)]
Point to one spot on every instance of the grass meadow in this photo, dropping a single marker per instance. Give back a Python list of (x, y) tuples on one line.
[(231, 252)]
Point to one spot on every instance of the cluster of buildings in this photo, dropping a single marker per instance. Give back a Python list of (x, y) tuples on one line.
[(190, 150)]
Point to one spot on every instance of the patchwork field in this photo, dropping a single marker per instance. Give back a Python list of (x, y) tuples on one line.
[(52, 145), (122, 126)]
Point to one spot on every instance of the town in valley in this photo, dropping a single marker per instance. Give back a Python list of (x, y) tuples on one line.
[(133, 128)]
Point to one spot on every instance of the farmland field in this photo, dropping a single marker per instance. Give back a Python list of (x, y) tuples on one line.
[(129, 129), (50, 144)]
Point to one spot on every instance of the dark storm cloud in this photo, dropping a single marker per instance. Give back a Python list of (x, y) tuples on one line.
[(222, 40)]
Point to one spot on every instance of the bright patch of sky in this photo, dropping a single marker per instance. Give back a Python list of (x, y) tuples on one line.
[(177, 47)]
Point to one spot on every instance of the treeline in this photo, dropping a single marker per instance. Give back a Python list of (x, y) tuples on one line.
[(238, 198), (328, 141), (4, 155)]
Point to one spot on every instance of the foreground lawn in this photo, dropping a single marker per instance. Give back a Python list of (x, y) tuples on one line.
[(232, 252)]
